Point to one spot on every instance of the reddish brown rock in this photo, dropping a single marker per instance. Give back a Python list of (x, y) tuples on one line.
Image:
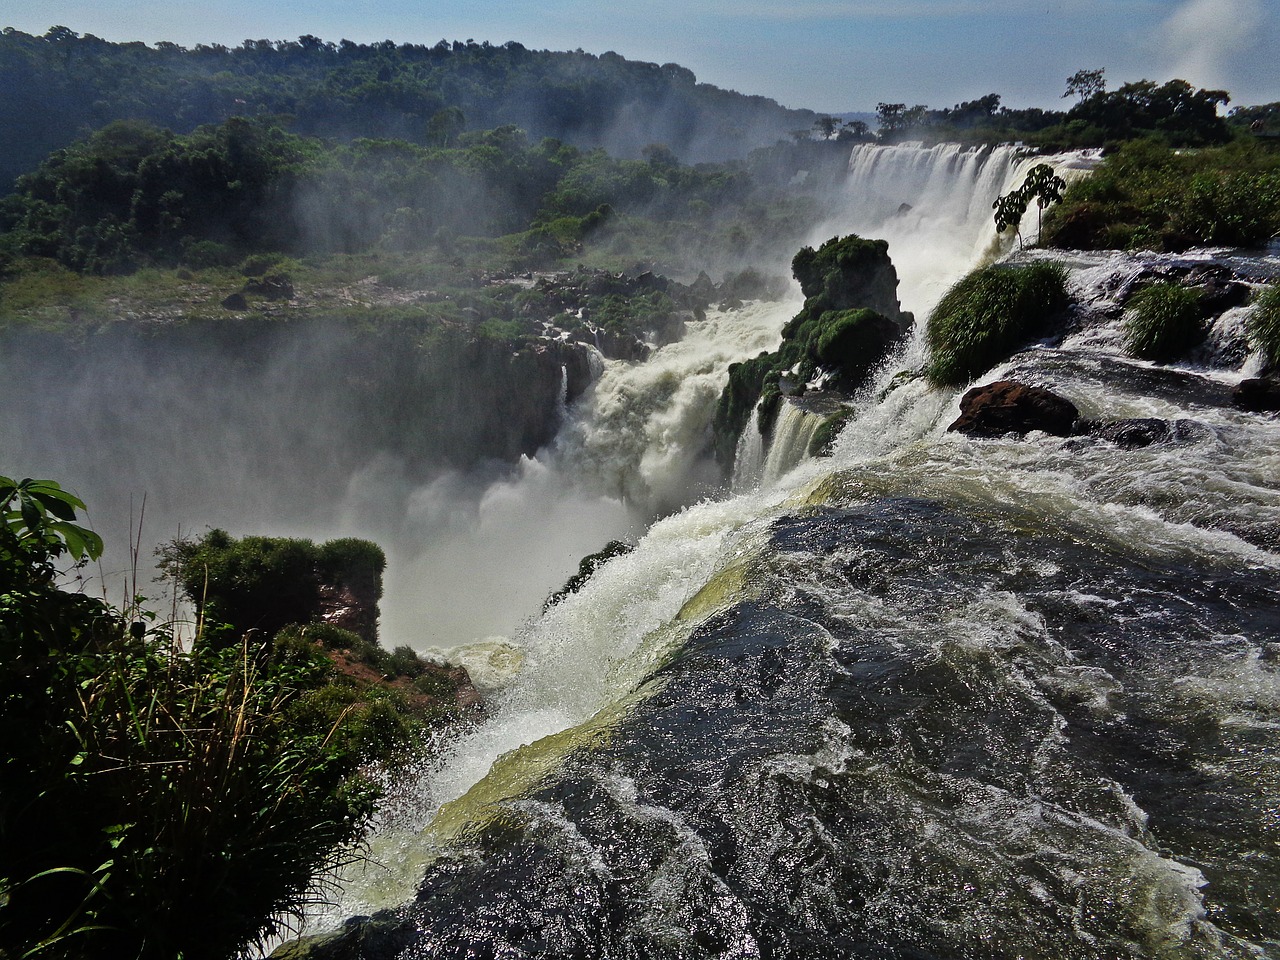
[(1007, 406)]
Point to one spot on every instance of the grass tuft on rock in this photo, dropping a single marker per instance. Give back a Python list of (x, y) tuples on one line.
[(1163, 321), (989, 314), (1263, 325)]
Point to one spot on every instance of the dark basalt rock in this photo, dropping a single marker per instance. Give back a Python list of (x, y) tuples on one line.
[(1259, 394), (1141, 432), (572, 302), (359, 938), (1007, 406), (235, 301)]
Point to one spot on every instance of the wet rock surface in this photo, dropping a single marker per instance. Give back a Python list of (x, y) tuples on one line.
[(1258, 394), (1007, 406), (1137, 432)]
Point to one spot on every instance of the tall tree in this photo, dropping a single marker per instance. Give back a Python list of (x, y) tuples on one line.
[(1086, 83)]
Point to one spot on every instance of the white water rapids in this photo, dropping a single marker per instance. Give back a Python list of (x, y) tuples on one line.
[(635, 435), (929, 697)]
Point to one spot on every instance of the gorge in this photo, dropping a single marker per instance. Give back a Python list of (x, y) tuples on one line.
[(929, 696)]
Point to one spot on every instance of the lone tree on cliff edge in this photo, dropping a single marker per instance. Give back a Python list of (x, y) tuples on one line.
[(1086, 83), (1042, 185)]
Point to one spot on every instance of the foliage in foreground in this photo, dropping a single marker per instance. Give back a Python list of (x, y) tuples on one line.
[(153, 803), (1163, 321), (985, 316), (375, 703), (1150, 197), (266, 583)]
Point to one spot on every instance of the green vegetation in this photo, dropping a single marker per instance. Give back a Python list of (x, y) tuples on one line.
[(587, 567), (1148, 196), (289, 591), (132, 195), (61, 83), (1163, 321), (1042, 185), (839, 331), (1174, 112), (264, 583), (155, 803), (1263, 325), (823, 437), (987, 315)]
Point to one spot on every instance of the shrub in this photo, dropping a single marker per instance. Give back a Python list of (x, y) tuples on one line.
[(155, 803), (984, 317), (371, 722), (259, 264), (1163, 321), (202, 254), (257, 583), (404, 661), (265, 583), (1147, 196), (1263, 325), (357, 563)]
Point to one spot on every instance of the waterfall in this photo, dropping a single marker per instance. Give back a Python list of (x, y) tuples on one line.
[(792, 432), (928, 697), (933, 205), (640, 433), (748, 459), (562, 396)]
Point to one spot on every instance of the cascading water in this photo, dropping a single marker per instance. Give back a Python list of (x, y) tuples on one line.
[(792, 433), (932, 697), (933, 205)]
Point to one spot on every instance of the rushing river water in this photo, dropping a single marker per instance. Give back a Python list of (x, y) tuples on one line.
[(931, 697)]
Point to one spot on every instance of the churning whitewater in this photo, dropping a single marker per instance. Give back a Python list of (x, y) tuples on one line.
[(929, 697)]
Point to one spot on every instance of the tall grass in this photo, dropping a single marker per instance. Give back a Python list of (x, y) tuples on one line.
[(1263, 325), (1163, 321), (987, 315), (154, 803)]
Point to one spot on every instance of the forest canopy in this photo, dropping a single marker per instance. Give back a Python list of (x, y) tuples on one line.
[(62, 85)]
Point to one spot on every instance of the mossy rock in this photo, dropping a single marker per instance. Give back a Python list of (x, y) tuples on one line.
[(824, 437), (848, 325)]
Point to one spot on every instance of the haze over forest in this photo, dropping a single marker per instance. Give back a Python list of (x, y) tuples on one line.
[(833, 57)]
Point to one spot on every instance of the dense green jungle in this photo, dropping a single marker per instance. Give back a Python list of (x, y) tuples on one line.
[(428, 212)]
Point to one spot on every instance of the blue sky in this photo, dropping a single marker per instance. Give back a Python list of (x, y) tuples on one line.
[(829, 55)]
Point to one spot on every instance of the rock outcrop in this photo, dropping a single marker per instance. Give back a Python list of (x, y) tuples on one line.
[(1141, 432), (1258, 394), (851, 273), (850, 321), (1007, 406)]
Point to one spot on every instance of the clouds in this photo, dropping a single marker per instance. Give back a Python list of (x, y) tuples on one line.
[(1206, 40)]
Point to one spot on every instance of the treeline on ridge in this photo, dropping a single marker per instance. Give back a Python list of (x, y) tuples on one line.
[(61, 85)]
